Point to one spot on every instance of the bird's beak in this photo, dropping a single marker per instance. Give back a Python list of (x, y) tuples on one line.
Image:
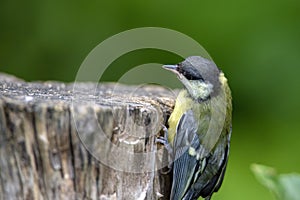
[(172, 68)]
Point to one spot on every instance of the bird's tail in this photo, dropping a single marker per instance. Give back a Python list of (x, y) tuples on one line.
[(207, 198)]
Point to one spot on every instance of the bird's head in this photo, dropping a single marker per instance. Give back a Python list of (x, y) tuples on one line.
[(200, 76)]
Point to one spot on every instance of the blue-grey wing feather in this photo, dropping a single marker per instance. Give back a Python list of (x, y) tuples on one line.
[(196, 176), (183, 165)]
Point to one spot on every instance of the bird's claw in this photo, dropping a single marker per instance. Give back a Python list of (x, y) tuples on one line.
[(164, 140)]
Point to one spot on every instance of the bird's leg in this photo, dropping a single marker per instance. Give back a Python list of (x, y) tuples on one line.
[(164, 140)]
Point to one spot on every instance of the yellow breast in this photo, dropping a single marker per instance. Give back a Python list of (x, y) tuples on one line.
[(183, 103)]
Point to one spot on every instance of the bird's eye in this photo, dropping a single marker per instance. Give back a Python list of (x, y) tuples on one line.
[(189, 72), (192, 74)]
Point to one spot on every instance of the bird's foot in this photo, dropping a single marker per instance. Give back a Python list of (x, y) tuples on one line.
[(164, 140)]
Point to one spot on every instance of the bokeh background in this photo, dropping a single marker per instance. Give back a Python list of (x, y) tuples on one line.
[(256, 43)]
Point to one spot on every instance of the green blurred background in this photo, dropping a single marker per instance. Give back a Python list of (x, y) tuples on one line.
[(256, 43)]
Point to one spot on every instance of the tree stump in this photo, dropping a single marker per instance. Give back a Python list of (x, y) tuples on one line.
[(82, 140)]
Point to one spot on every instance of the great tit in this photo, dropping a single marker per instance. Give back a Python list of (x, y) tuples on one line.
[(199, 129)]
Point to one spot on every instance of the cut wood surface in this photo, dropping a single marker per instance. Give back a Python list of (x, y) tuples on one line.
[(82, 140)]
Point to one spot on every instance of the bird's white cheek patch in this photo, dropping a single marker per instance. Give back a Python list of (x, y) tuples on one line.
[(205, 89), (197, 89), (201, 89)]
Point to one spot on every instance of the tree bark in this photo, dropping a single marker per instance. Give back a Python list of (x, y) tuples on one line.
[(82, 140)]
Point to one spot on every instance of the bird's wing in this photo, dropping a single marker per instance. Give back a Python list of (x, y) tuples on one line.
[(196, 172), (209, 179), (186, 139)]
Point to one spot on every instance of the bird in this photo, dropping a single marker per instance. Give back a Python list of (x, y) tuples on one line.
[(198, 136)]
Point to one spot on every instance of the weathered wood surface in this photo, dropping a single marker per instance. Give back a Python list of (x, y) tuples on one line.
[(46, 129)]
